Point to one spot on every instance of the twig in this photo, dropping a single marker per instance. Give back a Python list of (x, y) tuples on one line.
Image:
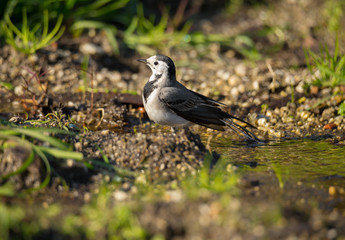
[(274, 76), (91, 83)]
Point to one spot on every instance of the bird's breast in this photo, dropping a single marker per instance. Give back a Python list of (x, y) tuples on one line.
[(149, 87), (160, 113)]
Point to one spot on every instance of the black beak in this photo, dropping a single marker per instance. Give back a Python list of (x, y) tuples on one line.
[(142, 60)]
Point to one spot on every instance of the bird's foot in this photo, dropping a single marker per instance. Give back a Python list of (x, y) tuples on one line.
[(174, 130)]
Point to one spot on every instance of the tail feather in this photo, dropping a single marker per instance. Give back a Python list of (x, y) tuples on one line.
[(239, 129)]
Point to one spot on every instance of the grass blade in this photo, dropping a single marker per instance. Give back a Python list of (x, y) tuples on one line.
[(40, 136), (57, 153), (22, 168)]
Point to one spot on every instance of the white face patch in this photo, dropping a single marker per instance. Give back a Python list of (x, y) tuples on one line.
[(158, 67)]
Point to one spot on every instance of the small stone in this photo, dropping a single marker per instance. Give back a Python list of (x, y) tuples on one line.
[(305, 115), (18, 90), (69, 162), (91, 49), (173, 195), (105, 132), (70, 104), (234, 92), (330, 126), (115, 76), (262, 122), (241, 88), (328, 113), (314, 89), (331, 190), (87, 197), (300, 87), (162, 167), (33, 58), (52, 57), (338, 120), (256, 85), (273, 85), (290, 80), (120, 195), (78, 146), (234, 80), (241, 70), (332, 233)]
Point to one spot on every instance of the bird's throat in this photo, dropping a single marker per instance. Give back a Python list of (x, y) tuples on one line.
[(149, 87)]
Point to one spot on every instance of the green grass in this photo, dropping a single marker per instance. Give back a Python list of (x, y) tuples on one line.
[(143, 33), (146, 36), (118, 20), (79, 15), (279, 172), (328, 69), (333, 12), (209, 180), (341, 110), (29, 138), (28, 40), (103, 217)]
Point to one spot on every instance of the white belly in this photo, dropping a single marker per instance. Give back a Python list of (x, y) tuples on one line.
[(161, 114)]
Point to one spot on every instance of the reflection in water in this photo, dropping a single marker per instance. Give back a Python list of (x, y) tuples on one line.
[(316, 162)]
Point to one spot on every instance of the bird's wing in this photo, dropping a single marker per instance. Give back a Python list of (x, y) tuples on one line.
[(193, 107), (200, 110), (208, 100)]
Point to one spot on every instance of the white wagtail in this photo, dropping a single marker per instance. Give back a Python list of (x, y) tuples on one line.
[(168, 102)]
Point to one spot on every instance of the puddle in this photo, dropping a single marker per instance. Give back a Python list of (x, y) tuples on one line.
[(305, 163), (303, 160)]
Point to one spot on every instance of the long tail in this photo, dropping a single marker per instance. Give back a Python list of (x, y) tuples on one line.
[(239, 129)]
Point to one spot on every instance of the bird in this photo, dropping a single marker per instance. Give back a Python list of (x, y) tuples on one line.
[(168, 102)]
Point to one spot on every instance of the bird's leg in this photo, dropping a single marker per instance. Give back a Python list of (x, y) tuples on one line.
[(187, 134), (174, 130), (186, 131)]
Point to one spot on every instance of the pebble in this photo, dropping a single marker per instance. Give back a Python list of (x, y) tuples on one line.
[(256, 85), (330, 126), (173, 195), (331, 190), (162, 167), (290, 80), (328, 113), (33, 58), (18, 90), (273, 85), (305, 115), (234, 80), (241, 70), (69, 162), (90, 49), (262, 122), (241, 88), (87, 197), (105, 132), (300, 87), (120, 195), (338, 120), (276, 133), (52, 57), (234, 92)]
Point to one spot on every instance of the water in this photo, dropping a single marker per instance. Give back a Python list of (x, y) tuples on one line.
[(301, 160), (316, 164)]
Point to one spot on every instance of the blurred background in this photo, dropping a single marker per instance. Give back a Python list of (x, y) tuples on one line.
[(250, 27)]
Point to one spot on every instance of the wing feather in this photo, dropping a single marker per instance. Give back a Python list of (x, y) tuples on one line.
[(200, 109)]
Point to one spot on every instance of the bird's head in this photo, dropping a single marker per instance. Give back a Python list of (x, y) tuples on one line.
[(160, 65)]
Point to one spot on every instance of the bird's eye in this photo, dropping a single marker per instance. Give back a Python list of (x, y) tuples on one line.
[(155, 63)]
